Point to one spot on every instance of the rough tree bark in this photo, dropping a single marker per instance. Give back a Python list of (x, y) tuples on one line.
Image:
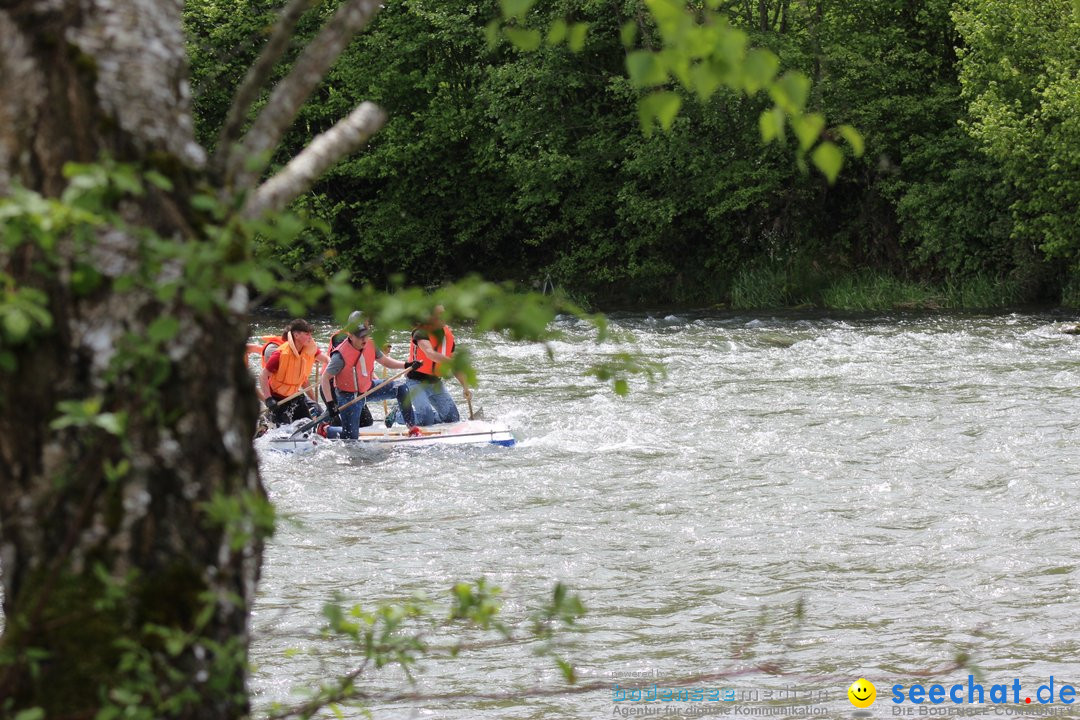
[(79, 80)]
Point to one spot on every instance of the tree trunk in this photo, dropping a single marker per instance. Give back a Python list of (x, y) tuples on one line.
[(130, 557)]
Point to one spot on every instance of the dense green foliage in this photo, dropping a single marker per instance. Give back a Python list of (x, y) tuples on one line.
[(532, 165)]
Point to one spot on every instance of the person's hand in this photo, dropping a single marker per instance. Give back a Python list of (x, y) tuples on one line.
[(414, 365), (331, 408), (270, 403), (467, 393)]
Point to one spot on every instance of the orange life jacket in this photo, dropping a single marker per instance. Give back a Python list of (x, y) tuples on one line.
[(427, 365), (293, 369), (355, 377), (269, 340)]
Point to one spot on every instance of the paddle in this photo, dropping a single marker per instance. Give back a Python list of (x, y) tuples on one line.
[(385, 407), (479, 414), (283, 401), (307, 426), (295, 395)]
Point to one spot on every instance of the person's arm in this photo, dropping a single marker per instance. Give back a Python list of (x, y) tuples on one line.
[(387, 361), (335, 366), (438, 357), (324, 386), (263, 388), (464, 385), (320, 360), (432, 353)]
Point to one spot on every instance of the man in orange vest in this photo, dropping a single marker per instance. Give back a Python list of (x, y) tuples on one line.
[(287, 371), (423, 398), (352, 372)]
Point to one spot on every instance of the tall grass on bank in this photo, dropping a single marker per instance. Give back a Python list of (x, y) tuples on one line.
[(1070, 294), (877, 291), (981, 292), (762, 287)]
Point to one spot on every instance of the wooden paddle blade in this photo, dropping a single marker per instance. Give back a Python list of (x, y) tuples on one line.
[(478, 415)]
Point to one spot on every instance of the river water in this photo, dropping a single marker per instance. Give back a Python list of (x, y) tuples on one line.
[(910, 483)]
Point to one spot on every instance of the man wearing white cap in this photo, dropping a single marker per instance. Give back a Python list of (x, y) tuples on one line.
[(352, 370)]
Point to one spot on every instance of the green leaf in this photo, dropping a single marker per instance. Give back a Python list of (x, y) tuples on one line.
[(125, 179), (705, 80), (678, 64), (175, 644), (491, 34), (828, 159), (854, 137), (85, 279), (158, 180), (578, 33), (112, 423), (16, 325), (557, 32), (667, 12), (567, 670), (163, 329), (732, 47), (515, 8), (645, 69), (628, 33), (621, 387), (31, 714), (659, 107), (771, 124), (791, 91), (527, 40), (206, 203), (808, 128), (759, 69)]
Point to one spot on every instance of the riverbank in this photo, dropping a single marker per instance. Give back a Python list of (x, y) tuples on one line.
[(765, 287)]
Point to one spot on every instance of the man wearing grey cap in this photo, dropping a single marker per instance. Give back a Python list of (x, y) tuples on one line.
[(351, 372)]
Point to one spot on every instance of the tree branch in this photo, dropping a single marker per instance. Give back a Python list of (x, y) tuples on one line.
[(247, 160), (257, 76), (326, 149)]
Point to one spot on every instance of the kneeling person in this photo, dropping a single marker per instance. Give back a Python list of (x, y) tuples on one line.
[(287, 371), (351, 373), (423, 397)]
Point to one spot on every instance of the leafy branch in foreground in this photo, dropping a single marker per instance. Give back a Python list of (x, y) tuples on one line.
[(406, 634)]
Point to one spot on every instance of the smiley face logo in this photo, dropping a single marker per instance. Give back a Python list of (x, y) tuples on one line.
[(862, 693)]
